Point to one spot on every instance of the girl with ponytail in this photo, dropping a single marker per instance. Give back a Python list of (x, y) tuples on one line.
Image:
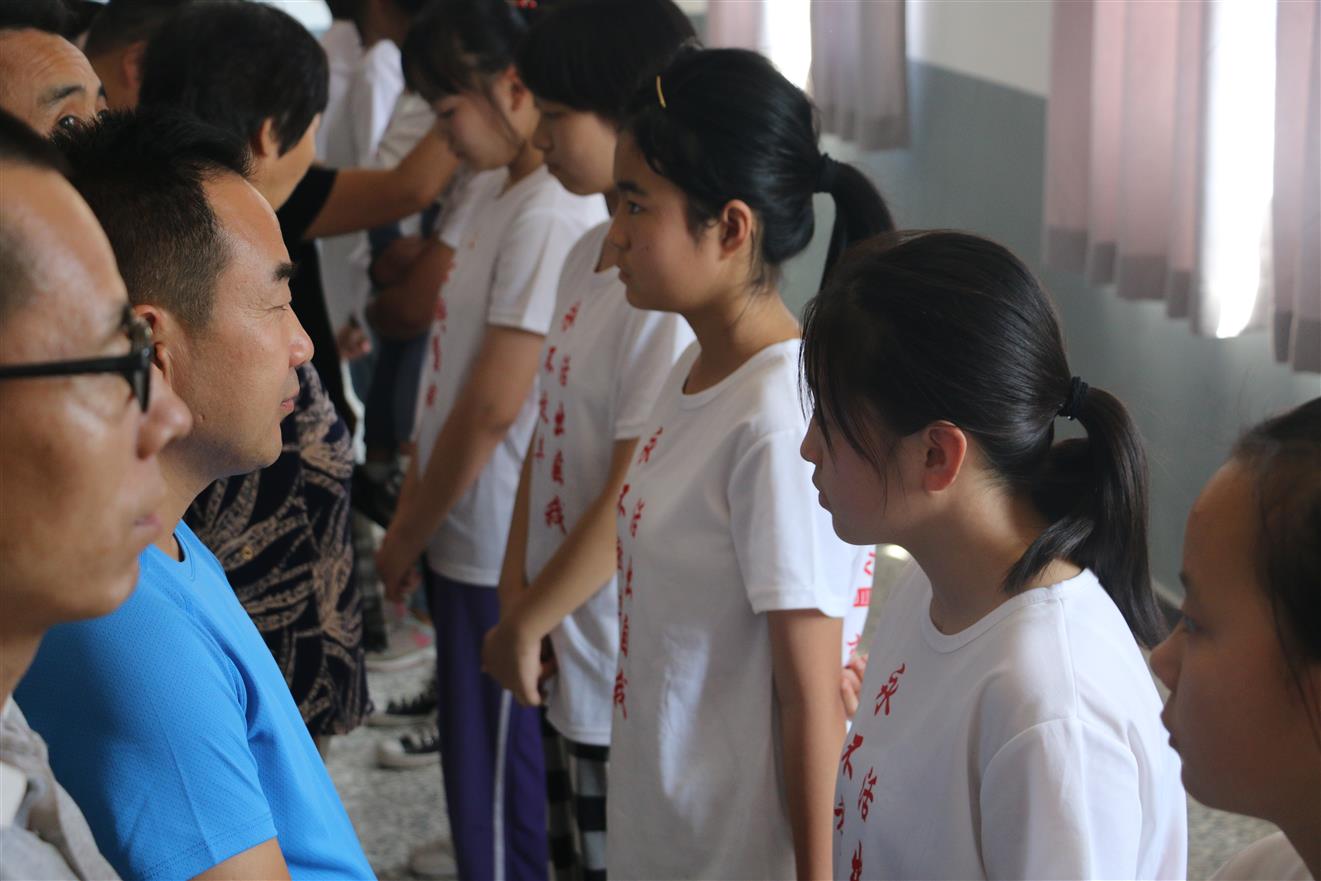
[(1008, 720), (727, 704)]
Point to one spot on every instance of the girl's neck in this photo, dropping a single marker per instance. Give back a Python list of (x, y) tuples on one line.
[(1302, 828), (967, 552), (737, 327), (528, 160)]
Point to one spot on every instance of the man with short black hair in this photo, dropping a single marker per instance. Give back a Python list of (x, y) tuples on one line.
[(83, 424), (185, 749), (116, 40), (44, 80)]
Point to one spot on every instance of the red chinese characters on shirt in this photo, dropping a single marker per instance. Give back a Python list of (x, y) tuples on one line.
[(555, 514), (435, 352), (852, 644), (887, 691), (846, 761), (867, 795), (856, 873), (543, 408), (637, 518), (623, 635), (570, 317), (564, 370), (559, 419), (621, 692), (628, 580), (550, 360), (557, 468), (619, 554), (539, 452), (431, 395), (863, 598), (869, 568), (839, 816), (623, 512), (650, 447)]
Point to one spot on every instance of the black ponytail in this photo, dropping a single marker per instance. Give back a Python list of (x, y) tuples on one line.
[(860, 212), (918, 327), (732, 127)]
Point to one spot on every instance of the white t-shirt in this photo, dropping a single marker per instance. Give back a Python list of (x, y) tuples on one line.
[(602, 367), (1028, 745), (344, 52), (506, 271), (855, 617), (348, 139), (1272, 857), (718, 524)]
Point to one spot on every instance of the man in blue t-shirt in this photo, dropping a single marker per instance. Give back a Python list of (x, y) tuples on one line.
[(169, 719)]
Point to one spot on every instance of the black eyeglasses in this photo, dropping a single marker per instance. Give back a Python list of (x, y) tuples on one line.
[(135, 367)]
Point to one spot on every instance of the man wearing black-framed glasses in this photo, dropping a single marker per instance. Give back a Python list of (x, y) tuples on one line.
[(79, 475), (185, 725)]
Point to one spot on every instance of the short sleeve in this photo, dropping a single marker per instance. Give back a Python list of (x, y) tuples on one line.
[(527, 271), (304, 204), (655, 341), (154, 747), (781, 549), (1061, 800)]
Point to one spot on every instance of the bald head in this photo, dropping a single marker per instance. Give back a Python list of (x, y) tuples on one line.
[(45, 81)]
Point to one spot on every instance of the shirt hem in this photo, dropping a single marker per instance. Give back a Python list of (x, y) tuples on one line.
[(801, 599), (467, 574), (213, 851)]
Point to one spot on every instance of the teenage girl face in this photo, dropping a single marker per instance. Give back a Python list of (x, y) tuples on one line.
[(662, 264), (483, 131), (579, 147), (1234, 713), (885, 503)]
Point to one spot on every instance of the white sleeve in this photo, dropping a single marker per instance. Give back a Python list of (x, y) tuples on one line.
[(782, 553), (655, 341), (1061, 800), (409, 121), (373, 94), (527, 271)]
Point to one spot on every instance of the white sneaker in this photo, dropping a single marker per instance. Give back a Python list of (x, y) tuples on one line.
[(435, 859), (416, 749), (410, 643)]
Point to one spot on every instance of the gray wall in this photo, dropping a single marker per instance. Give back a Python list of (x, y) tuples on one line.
[(976, 163)]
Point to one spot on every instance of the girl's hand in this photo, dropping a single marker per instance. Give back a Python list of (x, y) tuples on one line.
[(850, 686), (396, 565), (512, 657)]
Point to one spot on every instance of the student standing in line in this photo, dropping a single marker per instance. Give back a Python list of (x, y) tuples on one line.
[(1007, 727), (727, 711), (1244, 665), (477, 405), (602, 365)]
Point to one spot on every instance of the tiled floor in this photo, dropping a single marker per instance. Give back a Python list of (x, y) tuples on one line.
[(395, 811)]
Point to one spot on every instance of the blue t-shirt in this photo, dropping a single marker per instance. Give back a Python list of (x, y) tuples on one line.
[(170, 725)]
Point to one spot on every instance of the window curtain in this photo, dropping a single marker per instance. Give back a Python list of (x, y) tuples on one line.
[(1296, 215), (1170, 178), (859, 76)]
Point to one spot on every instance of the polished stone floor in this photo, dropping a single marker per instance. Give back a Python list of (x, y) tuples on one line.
[(395, 811)]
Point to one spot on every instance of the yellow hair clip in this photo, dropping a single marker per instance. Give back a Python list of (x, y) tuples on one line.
[(659, 93)]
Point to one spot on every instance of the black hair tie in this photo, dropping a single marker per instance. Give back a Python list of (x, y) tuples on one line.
[(826, 171), (1077, 397)]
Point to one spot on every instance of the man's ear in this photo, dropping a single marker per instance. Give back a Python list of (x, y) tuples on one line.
[(165, 338), (265, 144), (130, 65), (944, 450)]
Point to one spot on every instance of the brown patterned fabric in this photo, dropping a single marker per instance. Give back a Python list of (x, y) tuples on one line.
[(282, 535)]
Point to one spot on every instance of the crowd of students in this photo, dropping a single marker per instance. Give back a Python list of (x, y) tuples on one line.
[(642, 498)]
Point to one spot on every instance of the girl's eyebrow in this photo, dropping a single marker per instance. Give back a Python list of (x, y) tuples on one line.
[(628, 186)]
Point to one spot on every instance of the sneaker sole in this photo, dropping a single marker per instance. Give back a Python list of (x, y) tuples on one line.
[(407, 761), (399, 721), (401, 662)]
